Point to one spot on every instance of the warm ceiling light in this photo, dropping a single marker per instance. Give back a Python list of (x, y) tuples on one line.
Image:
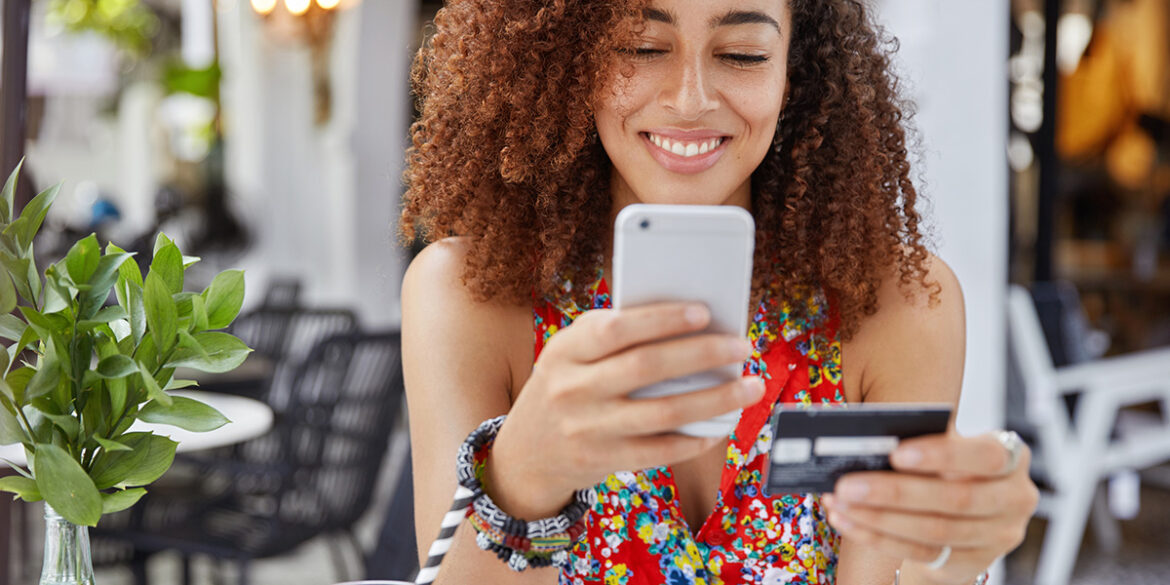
[(297, 7), (328, 4), (263, 6)]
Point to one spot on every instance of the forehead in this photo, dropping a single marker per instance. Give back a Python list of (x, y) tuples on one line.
[(715, 14)]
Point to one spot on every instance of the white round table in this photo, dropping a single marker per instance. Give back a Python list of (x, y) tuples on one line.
[(249, 419)]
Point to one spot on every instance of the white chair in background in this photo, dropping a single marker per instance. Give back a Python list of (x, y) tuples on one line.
[(1075, 453)]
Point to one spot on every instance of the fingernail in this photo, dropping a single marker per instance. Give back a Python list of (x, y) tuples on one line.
[(696, 314), (741, 348), (907, 457), (839, 522), (853, 490), (751, 388)]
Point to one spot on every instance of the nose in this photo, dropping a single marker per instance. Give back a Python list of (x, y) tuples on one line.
[(687, 93)]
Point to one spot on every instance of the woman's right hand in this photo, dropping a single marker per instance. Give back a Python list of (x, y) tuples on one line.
[(574, 423)]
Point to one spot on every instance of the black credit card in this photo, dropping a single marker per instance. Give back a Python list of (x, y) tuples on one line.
[(814, 446)]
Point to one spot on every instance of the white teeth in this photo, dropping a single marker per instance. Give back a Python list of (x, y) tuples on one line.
[(685, 149)]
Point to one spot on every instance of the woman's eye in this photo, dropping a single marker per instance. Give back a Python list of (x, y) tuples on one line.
[(742, 59), (645, 53)]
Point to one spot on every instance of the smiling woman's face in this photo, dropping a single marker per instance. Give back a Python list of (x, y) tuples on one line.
[(698, 110)]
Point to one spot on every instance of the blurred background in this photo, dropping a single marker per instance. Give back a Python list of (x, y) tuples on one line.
[(269, 135)]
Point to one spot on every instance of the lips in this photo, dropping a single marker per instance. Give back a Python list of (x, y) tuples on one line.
[(685, 152)]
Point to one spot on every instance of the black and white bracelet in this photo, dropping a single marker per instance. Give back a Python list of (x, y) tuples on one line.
[(521, 544)]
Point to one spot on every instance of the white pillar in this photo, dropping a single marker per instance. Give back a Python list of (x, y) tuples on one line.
[(321, 201), (954, 56)]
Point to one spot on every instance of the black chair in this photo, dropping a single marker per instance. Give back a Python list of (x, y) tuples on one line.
[(283, 337), (313, 474)]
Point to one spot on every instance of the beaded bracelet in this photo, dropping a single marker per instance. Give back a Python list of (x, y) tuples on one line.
[(521, 544)]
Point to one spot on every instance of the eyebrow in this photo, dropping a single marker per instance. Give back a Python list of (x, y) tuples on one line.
[(732, 18)]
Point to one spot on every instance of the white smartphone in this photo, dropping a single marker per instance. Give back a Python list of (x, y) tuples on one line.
[(697, 253)]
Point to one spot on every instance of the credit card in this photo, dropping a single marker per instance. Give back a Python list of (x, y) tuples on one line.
[(814, 446)]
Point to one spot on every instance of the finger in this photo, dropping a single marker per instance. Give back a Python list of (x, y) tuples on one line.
[(913, 493), (665, 360), (658, 415), (981, 456), (607, 331), (926, 529), (960, 560), (659, 450)]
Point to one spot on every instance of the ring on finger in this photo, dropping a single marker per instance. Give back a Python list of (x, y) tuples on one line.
[(941, 559), (1011, 441)]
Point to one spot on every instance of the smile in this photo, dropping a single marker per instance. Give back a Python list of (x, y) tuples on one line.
[(685, 148), (685, 154)]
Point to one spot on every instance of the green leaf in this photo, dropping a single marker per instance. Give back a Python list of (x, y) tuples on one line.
[(224, 297), (66, 487), (18, 270), (177, 384), (184, 413), (7, 293), (130, 298), (24, 228), (121, 499), (150, 456), (117, 393), (168, 265), (104, 316), (45, 379), (23, 487), (82, 259), (18, 380), (10, 429), (152, 388), (11, 327), (161, 314), (9, 194), (199, 319), (67, 423), (189, 260), (57, 295), (116, 366), (102, 280), (218, 352), (127, 270), (111, 445)]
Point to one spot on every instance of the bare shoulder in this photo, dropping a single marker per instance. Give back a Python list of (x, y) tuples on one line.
[(440, 311), (913, 347)]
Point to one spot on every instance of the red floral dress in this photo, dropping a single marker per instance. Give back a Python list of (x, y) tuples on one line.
[(636, 533)]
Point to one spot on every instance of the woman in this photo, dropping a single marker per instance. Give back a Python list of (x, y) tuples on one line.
[(540, 121)]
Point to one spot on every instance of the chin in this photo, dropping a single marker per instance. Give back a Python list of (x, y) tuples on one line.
[(687, 192)]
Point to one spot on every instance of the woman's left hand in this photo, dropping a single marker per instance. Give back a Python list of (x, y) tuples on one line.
[(945, 491)]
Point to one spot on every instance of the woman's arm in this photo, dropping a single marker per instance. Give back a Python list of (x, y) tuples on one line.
[(457, 374), (911, 351), (908, 351)]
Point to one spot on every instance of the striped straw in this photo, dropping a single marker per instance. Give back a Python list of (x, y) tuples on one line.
[(451, 520)]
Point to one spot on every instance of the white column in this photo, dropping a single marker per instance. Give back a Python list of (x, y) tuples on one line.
[(321, 201), (954, 56)]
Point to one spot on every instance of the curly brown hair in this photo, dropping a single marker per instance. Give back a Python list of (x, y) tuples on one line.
[(505, 152)]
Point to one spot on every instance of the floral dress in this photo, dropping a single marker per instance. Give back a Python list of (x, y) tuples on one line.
[(636, 533)]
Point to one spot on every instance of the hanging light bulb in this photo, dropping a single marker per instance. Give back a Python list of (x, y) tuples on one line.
[(263, 6), (297, 7), (328, 4)]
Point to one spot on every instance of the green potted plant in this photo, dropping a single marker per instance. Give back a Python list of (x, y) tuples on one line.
[(79, 370)]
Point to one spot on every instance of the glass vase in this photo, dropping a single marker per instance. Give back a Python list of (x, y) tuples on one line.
[(67, 560)]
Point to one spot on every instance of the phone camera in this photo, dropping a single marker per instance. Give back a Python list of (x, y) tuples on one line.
[(645, 224)]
